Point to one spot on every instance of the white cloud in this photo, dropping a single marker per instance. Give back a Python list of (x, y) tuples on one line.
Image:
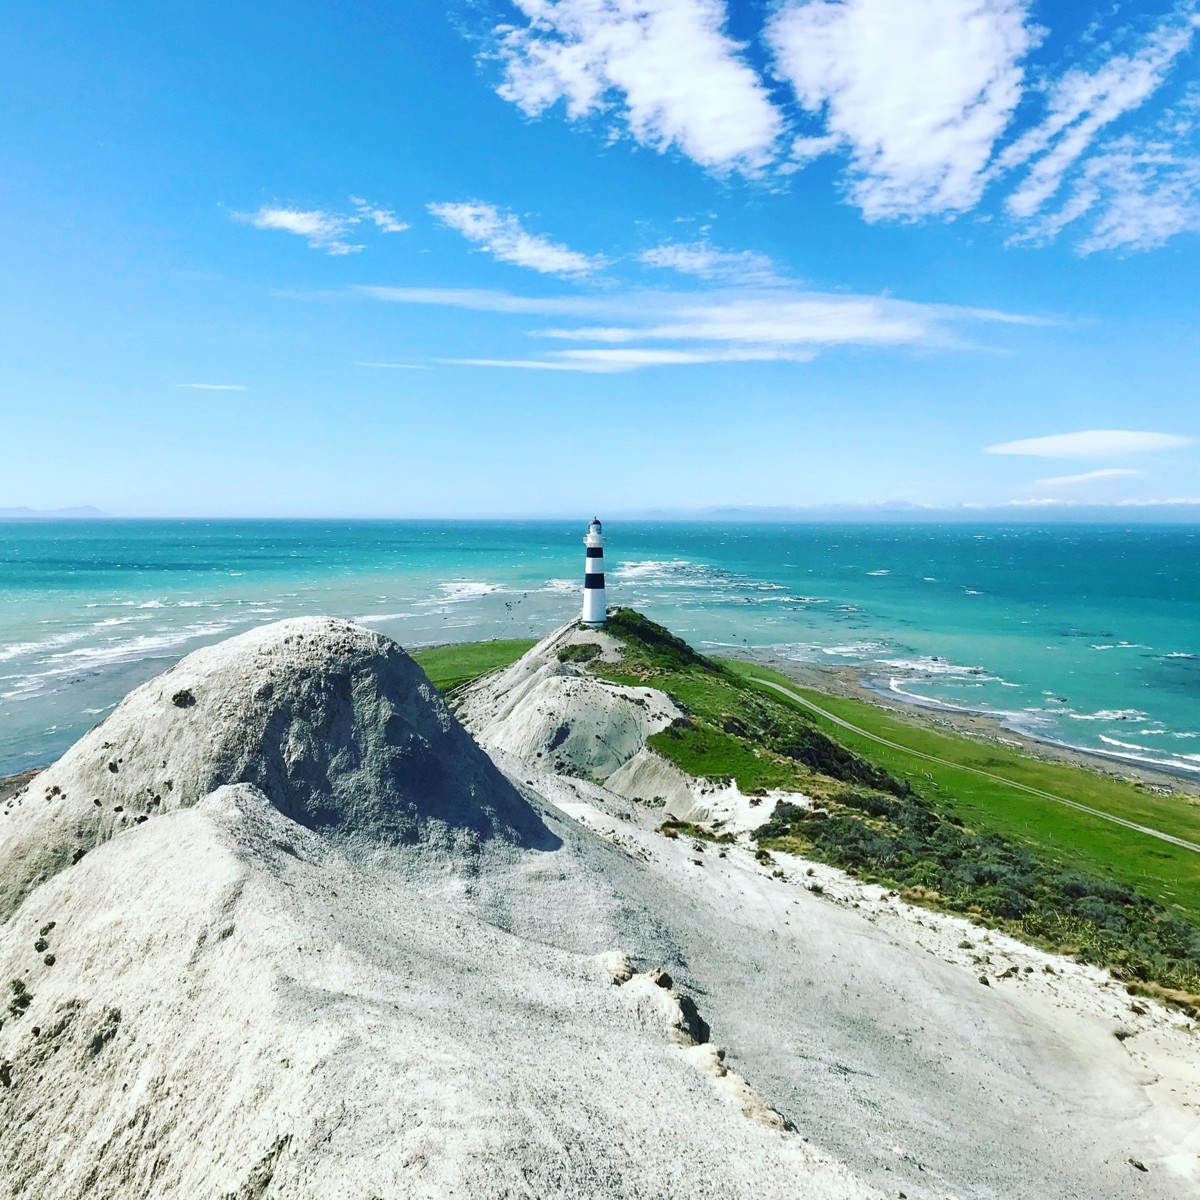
[(809, 149), (918, 100), (608, 362), (324, 230), (1089, 477), (666, 66), (502, 236), (528, 364), (487, 300), (1092, 443), (918, 92), (214, 387), (1147, 194), (390, 366), (1080, 105), (1058, 502), (383, 218), (707, 262), (1138, 194), (725, 325), (782, 319)]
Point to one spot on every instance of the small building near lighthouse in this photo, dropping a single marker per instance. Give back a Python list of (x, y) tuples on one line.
[(593, 575)]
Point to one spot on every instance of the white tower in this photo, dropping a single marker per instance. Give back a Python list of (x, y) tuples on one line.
[(593, 576)]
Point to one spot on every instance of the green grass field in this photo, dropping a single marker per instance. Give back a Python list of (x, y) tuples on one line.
[(1169, 873), (450, 666)]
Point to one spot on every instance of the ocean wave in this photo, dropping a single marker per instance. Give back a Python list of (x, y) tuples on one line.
[(880, 572), (84, 660), (147, 645), (683, 573), (371, 618), (1109, 714), (1108, 741), (1174, 763), (21, 649), (852, 649), (935, 665), (460, 591), (651, 568)]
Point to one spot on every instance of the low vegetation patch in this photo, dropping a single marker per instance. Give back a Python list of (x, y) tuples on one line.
[(674, 829), (21, 999), (579, 652), (913, 844)]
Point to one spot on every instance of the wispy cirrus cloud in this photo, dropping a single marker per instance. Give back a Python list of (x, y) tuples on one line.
[(383, 219), (324, 230), (720, 326), (1140, 194), (918, 94), (393, 366), (503, 236), (1069, 481), (595, 361), (1093, 443), (705, 261), (663, 72), (1080, 105)]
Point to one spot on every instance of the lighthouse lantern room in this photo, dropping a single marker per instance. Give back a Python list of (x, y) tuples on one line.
[(593, 576)]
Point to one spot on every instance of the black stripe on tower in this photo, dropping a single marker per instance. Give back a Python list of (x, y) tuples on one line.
[(595, 552), (595, 580)]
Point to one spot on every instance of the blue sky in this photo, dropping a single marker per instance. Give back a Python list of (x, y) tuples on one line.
[(476, 257)]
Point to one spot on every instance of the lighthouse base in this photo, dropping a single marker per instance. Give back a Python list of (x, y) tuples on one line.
[(593, 607)]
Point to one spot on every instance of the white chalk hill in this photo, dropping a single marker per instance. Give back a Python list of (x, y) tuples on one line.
[(549, 712), (280, 929), (334, 723)]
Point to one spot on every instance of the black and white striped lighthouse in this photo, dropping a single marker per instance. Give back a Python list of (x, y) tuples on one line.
[(593, 577)]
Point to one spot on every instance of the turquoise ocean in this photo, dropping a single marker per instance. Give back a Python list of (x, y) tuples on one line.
[(1086, 635)]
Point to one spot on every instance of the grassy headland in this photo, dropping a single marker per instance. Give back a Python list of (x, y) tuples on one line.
[(450, 666), (944, 835)]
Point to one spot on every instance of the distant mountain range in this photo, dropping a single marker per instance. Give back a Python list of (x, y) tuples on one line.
[(85, 512), (899, 511)]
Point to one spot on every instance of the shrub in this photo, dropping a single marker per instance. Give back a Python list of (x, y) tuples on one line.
[(907, 843), (22, 998), (579, 652)]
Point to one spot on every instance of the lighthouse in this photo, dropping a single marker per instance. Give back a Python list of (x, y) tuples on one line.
[(593, 576)]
